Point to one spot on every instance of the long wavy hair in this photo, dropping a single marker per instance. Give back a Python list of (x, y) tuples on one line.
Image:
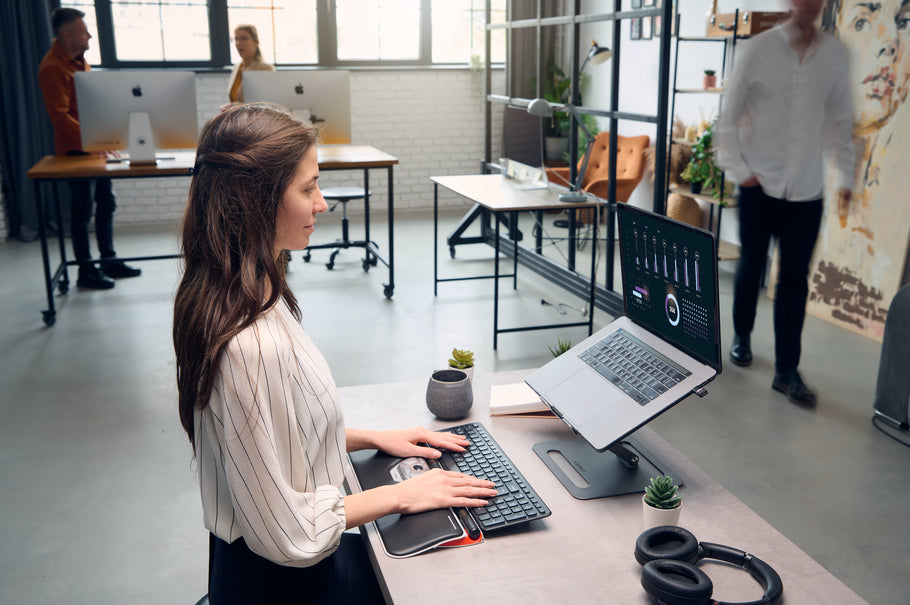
[(246, 159)]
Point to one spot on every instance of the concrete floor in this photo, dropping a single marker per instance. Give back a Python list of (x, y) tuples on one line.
[(100, 503)]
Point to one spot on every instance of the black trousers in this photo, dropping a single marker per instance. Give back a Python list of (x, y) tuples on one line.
[(238, 575), (796, 226), (81, 215)]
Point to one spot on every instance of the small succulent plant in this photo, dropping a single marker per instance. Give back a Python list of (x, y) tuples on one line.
[(561, 347), (461, 359), (662, 493)]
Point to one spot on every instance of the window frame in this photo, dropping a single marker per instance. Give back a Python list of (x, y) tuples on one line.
[(220, 44)]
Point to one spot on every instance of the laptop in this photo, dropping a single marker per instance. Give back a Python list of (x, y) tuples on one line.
[(665, 347)]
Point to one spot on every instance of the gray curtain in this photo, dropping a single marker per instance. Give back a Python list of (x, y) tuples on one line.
[(26, 131)]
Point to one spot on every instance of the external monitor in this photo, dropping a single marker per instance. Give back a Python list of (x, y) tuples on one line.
[(137, 111), (321, 97), (522, 143)]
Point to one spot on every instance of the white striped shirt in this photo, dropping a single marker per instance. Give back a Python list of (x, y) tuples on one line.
[(270, 445)]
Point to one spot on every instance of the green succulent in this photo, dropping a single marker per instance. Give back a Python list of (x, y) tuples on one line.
[(461, 359), (561, 347), (662, 493)]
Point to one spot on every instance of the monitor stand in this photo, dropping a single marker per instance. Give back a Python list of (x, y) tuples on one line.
[(142, 141), (626, 467)]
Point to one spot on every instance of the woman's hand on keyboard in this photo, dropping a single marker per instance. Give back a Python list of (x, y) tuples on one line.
[(404, 442), (437, 488)]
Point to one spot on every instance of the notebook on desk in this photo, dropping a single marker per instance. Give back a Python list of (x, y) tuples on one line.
[(665, 347)]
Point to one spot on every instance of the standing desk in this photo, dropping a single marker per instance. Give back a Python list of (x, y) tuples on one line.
[(52, 169), (583, 552), (499, 196)]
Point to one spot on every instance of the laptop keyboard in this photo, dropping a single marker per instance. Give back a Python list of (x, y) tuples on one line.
[(634, 367), (517, 501)]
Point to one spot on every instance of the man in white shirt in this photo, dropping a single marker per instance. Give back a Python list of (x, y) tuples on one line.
[(786, 104)]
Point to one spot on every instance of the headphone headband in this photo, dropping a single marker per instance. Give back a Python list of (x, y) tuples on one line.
[(669, 555)]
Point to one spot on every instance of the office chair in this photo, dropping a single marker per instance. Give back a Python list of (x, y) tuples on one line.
[(630, 168), (343, 195)]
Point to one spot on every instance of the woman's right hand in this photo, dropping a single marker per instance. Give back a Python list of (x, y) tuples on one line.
[(437, 488), (752, 181)]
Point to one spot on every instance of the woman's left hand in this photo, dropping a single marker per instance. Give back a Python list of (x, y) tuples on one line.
[(403, 442)]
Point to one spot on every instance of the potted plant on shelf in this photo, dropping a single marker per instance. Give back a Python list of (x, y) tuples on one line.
[(701, 172), (661, 503), (463, 359), (710, 79)]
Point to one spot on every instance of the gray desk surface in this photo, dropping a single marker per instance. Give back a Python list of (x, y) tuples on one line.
[(499, 194), (582, 553)]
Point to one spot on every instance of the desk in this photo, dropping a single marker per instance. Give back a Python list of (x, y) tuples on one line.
[(582, 553), (52, 169), (499, 195)]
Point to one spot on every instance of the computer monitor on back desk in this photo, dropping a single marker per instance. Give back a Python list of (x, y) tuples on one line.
[(321, 97), (522, 143), (137, 111)]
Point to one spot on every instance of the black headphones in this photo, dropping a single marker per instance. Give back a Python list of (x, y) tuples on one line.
[(669, 555)]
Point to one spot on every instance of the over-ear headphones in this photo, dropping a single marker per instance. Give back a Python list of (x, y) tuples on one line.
[(669, 555)]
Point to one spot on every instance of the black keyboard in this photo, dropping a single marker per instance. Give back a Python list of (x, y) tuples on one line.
[(634, 367), (517, 501)]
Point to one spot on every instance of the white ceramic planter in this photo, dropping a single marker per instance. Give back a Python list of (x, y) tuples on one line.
[(655, 517), (468, 371)]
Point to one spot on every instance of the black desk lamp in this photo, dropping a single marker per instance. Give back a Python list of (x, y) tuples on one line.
[(541, 107)]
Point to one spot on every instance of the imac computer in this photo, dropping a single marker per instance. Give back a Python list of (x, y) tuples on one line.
[(665, 347), (322, 97), (522, 143), (137, 111)]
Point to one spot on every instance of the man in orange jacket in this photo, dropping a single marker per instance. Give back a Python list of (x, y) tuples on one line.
[(56, 77)]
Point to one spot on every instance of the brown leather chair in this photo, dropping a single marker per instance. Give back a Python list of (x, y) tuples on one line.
[(630, 167)]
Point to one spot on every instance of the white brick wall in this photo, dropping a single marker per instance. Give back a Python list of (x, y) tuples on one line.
[(431, 120)]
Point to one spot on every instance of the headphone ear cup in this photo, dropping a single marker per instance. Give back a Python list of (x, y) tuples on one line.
[(676, 583), (666, 542)]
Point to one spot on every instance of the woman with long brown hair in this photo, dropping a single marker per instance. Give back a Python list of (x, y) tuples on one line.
[(256, 397)]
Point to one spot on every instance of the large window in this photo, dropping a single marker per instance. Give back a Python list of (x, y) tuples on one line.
[(198, 33)]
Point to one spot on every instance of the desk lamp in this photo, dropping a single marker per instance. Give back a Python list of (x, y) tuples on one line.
[(541, 107)]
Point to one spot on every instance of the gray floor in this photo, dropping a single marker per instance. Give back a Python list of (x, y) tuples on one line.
[(99, 499)]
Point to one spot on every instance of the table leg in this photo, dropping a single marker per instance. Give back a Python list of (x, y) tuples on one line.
[(591, 295), (513, 230), (49, 315), (366, 218), (435, 239), (389, 288), (496, 287), (573, 237)]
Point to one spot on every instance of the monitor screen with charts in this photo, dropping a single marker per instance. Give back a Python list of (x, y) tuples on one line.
[(137, 111), (321, 97), (665, 348)]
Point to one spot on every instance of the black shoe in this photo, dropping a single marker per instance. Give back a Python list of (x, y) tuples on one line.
[(93, 278), (741, 351), (791, 384), (120, 269)]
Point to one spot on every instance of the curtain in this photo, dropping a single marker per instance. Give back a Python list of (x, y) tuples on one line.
[(27, 134)]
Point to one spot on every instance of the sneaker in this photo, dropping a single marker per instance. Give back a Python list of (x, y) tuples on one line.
[(791, 384), (120, 269), (93, 278), (741, 351)]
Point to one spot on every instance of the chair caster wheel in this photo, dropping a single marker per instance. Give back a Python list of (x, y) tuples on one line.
[(387, 291), (306, 257), (366, 265), (63, 287), (49, 317), (330, 265)]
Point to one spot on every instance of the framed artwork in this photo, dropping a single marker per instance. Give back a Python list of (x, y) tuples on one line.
[(656, 24), (646, 28), (635, 29), (636, 4)]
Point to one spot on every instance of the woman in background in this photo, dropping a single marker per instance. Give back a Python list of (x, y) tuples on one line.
[(257, 398), (246, 41)]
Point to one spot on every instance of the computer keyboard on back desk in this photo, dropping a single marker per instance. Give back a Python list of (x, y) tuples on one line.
[(517, 501)]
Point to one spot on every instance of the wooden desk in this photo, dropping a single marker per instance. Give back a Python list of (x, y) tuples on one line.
[(52, 169), (500, 196), (583, 552)]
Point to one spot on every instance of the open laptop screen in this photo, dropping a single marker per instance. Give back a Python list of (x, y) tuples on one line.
[(669, 277)]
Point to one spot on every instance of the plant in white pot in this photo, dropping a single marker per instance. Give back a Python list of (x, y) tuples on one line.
[(463, 359), (661, 502)]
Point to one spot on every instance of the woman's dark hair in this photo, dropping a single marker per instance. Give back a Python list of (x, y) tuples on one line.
[(246, 159)]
